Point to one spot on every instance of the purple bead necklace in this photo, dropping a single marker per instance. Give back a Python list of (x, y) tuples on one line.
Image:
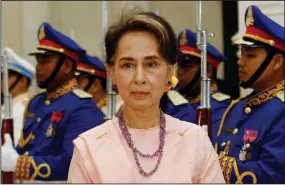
[(159, 152)]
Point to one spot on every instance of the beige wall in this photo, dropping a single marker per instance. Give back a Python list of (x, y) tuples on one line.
[(21, 20), (182, 14)]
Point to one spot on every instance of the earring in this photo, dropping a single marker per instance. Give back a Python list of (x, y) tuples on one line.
[(168, 86), (114, 86)]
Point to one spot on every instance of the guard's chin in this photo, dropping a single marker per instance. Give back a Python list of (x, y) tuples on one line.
[(41, 85)]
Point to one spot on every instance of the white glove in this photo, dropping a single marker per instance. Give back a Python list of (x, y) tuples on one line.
[(9, 155)]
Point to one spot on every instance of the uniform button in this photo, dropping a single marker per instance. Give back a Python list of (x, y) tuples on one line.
[(47, 102), (235, 131), (26, 153), (247, 145), (38, 119), (247, 110), (223, 144)]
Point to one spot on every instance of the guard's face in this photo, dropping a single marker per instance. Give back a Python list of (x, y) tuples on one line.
[(45, 66), (82, 81), (249, 62), (139, 71), (185, 73)]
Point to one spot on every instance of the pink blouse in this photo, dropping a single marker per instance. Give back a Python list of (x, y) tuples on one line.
[(101, 155)]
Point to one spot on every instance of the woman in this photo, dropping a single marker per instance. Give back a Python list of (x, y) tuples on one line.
[(142, 144)]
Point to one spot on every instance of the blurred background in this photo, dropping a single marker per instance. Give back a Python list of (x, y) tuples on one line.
[(82, 20)]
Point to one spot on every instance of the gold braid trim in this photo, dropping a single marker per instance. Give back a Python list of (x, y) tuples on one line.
[(233, 103), (23, 167), (244, 174), (89, 71), (228, 164), (266, 95), (38, 168), (63, 90), (23, 142), (260, 39)]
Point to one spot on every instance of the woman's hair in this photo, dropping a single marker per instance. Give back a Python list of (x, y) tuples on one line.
[(148, 22)]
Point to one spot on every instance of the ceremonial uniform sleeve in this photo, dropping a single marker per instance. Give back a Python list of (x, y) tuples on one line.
[(268, 169), (211, 171), (55, 167)]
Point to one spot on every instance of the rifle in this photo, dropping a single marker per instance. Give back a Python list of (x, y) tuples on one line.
[(111, 102), (204, 112), (7, 123)]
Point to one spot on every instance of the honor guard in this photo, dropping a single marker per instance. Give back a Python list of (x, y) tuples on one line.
[(189, 75), (91, 76), (21, 74), (52, 119), (178, 106), (250, 140)]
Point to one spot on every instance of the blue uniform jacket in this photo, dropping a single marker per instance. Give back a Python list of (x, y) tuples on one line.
[(251, 140), (48, 131)]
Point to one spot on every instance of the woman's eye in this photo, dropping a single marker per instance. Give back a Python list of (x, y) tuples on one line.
[(150, 64), (127, 65)]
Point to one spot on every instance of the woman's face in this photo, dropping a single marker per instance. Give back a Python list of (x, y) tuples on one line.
[(139, 71)]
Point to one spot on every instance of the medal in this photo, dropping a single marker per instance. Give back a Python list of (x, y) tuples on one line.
[(50, 131)]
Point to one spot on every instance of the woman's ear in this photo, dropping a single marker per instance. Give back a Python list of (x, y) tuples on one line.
[(171, 69), (110, 72)]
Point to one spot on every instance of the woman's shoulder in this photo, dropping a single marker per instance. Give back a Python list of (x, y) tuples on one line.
[(96, 133), (184, 128)]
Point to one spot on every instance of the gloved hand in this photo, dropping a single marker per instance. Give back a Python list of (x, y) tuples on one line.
[(9, 155)]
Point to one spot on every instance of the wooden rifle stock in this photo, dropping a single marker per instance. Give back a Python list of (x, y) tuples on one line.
[(204, 119), (7, 128)]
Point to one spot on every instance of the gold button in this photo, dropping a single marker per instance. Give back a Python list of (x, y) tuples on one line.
[(47, 102), (247, 145), (235, 131), (247, 110), (223, 144), (26, 153), (38, 119)]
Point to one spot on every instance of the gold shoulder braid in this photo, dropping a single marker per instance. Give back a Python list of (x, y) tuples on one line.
[(266, 95), (195, 100), (63, 90)]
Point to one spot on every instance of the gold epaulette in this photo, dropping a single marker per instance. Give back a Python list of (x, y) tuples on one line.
[(220, 96), (176, 98), (81, 94)]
